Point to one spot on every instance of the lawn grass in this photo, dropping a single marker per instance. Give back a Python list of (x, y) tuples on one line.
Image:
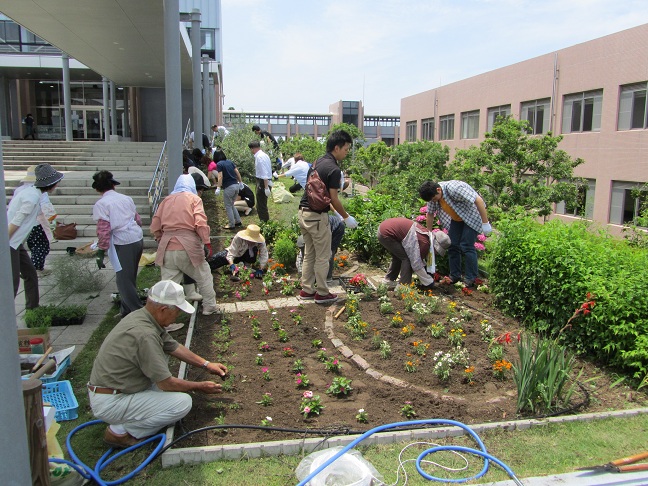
[(550, 449)]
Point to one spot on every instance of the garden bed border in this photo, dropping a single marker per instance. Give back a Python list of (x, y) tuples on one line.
[(205, 454)]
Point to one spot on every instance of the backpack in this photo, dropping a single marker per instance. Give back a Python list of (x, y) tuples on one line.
[(318, 195)]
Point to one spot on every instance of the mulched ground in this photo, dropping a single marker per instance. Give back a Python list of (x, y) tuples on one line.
[(485, 399)]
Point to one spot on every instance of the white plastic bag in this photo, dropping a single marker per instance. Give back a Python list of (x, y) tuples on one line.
[(350, 469)]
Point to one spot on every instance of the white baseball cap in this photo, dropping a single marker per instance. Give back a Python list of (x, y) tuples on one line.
[(170, 293)]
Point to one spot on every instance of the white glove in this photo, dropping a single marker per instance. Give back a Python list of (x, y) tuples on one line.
[(267, 192), (487, 229), (241, 186), (274, 174), (350, 222), (217, 191)]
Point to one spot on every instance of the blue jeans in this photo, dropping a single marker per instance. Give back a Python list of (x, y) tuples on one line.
[(462, 242)]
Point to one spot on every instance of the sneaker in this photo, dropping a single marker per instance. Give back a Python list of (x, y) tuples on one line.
[(174, 327), (44, 272), (390, 284), (208, 311), (119, 441), (325, 299), (236, 225), (470, 283), (306, 296)]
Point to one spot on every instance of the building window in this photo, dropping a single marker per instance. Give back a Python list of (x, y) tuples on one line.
[(410, 131), (632, 107), (470, 124), (624, 205), (582, 112), (584, 206), (350, 112), (446, 127), (494, 112), (427, 129), (536, 112)]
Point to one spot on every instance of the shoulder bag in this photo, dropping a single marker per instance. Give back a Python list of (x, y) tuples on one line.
[(318, 195)]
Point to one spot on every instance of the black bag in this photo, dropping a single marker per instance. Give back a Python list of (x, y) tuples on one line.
[(318, 195)]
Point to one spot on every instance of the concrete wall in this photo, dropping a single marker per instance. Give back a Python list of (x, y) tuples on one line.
[(605, 63), (152, 114)]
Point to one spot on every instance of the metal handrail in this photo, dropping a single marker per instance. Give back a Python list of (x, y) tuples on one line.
[(158, 183), (186, 135)]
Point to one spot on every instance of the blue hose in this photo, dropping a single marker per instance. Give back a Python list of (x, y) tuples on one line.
[(95, 474), (479, 452)]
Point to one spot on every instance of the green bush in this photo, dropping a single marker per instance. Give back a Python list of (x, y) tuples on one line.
[(542, 273), (370, 210), (271, 230), (285, 252)]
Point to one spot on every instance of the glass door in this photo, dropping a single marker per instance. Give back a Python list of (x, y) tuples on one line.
[(93, 122)]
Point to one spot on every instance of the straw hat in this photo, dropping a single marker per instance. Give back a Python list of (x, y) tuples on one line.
[(252, 233), (31, 174), (46, 175)]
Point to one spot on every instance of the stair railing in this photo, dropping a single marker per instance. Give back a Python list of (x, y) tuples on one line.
[(185, 139), (158, 184)]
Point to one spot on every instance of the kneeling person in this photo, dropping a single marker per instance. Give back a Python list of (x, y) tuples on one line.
[(131, 387), (247, 246)]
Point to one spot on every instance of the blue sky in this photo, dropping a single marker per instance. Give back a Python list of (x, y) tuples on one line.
[(301, 56)]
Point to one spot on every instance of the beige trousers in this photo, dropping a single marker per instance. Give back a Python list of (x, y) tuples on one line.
[(177, 262), (317, 250)]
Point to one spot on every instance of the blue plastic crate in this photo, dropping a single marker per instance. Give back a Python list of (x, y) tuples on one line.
[(59, 394), (55, 376)]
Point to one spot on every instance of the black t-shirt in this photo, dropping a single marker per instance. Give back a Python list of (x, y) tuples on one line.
[(265, 133), (330, 174), (247, 195)]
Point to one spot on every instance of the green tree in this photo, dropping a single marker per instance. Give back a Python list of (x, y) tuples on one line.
[(370, 164), (411, 164), (306, 145), (514, 171), (235, 146), (358, 141)]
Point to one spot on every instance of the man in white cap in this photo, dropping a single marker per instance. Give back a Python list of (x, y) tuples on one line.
[(131, 387), (247, 246)]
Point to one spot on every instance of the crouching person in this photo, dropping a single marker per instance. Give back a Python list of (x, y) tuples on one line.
[(131, 387), (248, 246)]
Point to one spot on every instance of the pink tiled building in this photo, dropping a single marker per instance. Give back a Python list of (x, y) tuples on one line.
[(594, 94)]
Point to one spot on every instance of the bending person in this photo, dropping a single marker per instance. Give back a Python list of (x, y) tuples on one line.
[(244, 200), (408, 243), (229, 180), (131, 387), (119, 231), (181, 230)]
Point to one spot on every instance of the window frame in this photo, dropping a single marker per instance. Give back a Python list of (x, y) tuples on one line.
[(590, 108), (469, 125), (446, 127), (411, 127), (493, 112), (427, 129), (626, 113)]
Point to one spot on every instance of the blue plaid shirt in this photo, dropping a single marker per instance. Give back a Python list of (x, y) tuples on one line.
[(460, 197)]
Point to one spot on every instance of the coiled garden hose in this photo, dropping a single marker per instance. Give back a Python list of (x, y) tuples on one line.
[(95, 473), (478, 452)]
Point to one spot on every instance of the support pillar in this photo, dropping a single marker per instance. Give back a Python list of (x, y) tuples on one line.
[(197, 92), (113, 110), (67, 103), (172, 89), (106, 107), (205, 96), (126, 127)]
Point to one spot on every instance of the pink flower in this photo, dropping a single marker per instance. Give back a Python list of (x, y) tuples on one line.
[(292, 311), (482, 237), (299, 381), (480, 246), (423, 209), (264, 370), (307, 410), (308, 394), (335, 361), (420, 219)]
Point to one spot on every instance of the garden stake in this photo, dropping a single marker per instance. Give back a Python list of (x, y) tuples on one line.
[(339, 313)]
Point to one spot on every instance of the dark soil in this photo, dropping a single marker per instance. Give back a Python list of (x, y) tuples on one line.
[(486, 399)]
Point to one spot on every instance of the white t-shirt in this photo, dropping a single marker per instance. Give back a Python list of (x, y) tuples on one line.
[(299, 171), (22, 212)]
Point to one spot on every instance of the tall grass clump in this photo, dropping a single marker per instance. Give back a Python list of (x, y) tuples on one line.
[(542, 375), (542, 273), (75, 274)]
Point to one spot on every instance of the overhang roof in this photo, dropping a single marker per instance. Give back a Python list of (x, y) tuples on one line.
[(122, 40)]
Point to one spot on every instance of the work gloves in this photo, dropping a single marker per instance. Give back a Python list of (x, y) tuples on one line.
[(487, 229), (350, 222), (217, 191), (258, 273), (101, 254), (267, 192), (208, 250)]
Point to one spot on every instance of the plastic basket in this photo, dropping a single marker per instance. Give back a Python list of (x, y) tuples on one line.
[(56, 376), (59, 394)]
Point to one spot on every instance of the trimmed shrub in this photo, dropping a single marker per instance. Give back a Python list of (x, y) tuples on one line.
[(285, 252), (542, 273)]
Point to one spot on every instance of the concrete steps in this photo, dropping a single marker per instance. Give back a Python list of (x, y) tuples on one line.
[(132, 164)]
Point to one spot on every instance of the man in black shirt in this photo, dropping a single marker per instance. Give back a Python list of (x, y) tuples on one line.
[(314, 225), (267, 136)]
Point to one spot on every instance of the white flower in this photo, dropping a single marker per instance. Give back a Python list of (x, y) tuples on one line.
[(269, 419), (361, 410)]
